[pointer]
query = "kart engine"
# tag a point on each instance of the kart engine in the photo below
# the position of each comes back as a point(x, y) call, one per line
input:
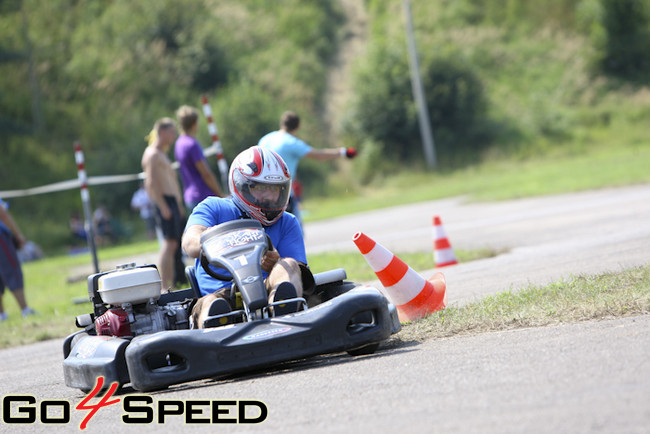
point(130, 320)
point(132, 294)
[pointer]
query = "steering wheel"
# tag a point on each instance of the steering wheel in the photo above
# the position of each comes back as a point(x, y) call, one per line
point(226, 277)
point(206, 266)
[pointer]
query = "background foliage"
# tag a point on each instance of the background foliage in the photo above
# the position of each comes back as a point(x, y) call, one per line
point(103, 72)
point(514, 78)
point(501, 78)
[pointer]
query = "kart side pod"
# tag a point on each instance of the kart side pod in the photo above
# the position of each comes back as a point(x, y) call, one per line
point(357, 319)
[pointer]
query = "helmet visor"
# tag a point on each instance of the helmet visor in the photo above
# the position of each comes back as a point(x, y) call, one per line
point(267, 197)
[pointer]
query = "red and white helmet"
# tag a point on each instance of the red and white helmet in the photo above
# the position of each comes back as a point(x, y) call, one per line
point(260, 184)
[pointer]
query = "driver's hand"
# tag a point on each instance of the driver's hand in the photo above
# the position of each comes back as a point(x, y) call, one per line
point(269, 260)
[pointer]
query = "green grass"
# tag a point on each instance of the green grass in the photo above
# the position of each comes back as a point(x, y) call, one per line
point(581, 298)
point(559, 171)
point(49, 291)
point(358, 270)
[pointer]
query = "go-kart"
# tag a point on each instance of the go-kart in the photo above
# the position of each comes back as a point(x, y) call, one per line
point(143, 338)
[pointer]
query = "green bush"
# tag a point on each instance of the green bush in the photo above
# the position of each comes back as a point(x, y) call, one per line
point(627, 44)
point(243, 113)
point(384, 111)
point(619, 33)
point(372, 163)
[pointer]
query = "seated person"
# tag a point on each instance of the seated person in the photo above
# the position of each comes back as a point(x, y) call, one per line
point(77, 228)
point(260, 185)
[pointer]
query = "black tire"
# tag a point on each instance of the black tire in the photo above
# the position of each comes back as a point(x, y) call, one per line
point(364, 350)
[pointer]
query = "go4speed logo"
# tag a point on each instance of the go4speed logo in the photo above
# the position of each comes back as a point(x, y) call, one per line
point(137, 409)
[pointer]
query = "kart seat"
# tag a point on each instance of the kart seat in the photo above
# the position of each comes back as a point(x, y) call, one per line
point(190, 272)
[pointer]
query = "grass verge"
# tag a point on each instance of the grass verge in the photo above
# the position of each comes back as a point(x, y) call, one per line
point(559, 172)
point(581, 298)
point(358, 270)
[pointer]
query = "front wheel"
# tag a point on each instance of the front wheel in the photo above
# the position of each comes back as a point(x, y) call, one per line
point(364, 350)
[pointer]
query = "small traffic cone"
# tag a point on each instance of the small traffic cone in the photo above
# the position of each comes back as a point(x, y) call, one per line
point(414, 296)
point(443, 254)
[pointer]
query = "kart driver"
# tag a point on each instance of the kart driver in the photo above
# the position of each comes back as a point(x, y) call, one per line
point(260, 185)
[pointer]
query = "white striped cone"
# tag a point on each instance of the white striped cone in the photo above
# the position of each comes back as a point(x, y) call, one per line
point(216, 143)
point(414, 296)
point(443, 254)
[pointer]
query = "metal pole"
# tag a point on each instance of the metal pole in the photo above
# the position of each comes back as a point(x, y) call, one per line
point(216, 143)
point(418, 92)
point(85, 200)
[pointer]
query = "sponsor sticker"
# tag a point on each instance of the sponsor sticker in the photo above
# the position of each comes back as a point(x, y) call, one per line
point(267, 333)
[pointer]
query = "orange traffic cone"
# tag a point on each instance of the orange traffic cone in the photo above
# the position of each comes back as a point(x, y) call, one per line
point(413, 296)
point(443, 254)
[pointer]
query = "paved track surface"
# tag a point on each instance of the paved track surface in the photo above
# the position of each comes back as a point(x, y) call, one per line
point(545, 238)
point(586, 377)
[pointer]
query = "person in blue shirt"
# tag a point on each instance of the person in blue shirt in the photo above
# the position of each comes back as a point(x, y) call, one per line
point(260, 185)
point(292, 149)
point(11, 273)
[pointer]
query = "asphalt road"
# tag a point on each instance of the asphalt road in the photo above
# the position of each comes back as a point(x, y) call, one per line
point(586, 377)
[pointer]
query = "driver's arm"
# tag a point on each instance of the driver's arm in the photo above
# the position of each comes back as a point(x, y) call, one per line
point(191, 241)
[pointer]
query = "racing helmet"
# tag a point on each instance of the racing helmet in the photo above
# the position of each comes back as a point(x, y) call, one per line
point(260, 184)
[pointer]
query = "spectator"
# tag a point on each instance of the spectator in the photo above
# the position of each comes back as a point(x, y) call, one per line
point(164, 191)
point(11, 273)
point(292, 149)
point(102, 226)
point(77, 228)
point(198, 179)
point(141, 202)
point(30, 252)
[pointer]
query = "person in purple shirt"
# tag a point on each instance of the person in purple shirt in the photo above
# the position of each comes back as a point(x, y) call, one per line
point(198, 179)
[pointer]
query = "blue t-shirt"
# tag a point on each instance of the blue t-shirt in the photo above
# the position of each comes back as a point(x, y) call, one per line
point(286, 236)
point(290, 148)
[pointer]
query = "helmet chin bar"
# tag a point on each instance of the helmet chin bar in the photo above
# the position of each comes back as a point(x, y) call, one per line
point(245, 214)
point(272, 215)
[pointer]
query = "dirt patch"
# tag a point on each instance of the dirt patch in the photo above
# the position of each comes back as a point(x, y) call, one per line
point(339, 80)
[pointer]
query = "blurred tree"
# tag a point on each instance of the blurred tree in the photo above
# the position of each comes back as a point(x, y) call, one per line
point(384, 112)
point(105, 71)
point(627, 40)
